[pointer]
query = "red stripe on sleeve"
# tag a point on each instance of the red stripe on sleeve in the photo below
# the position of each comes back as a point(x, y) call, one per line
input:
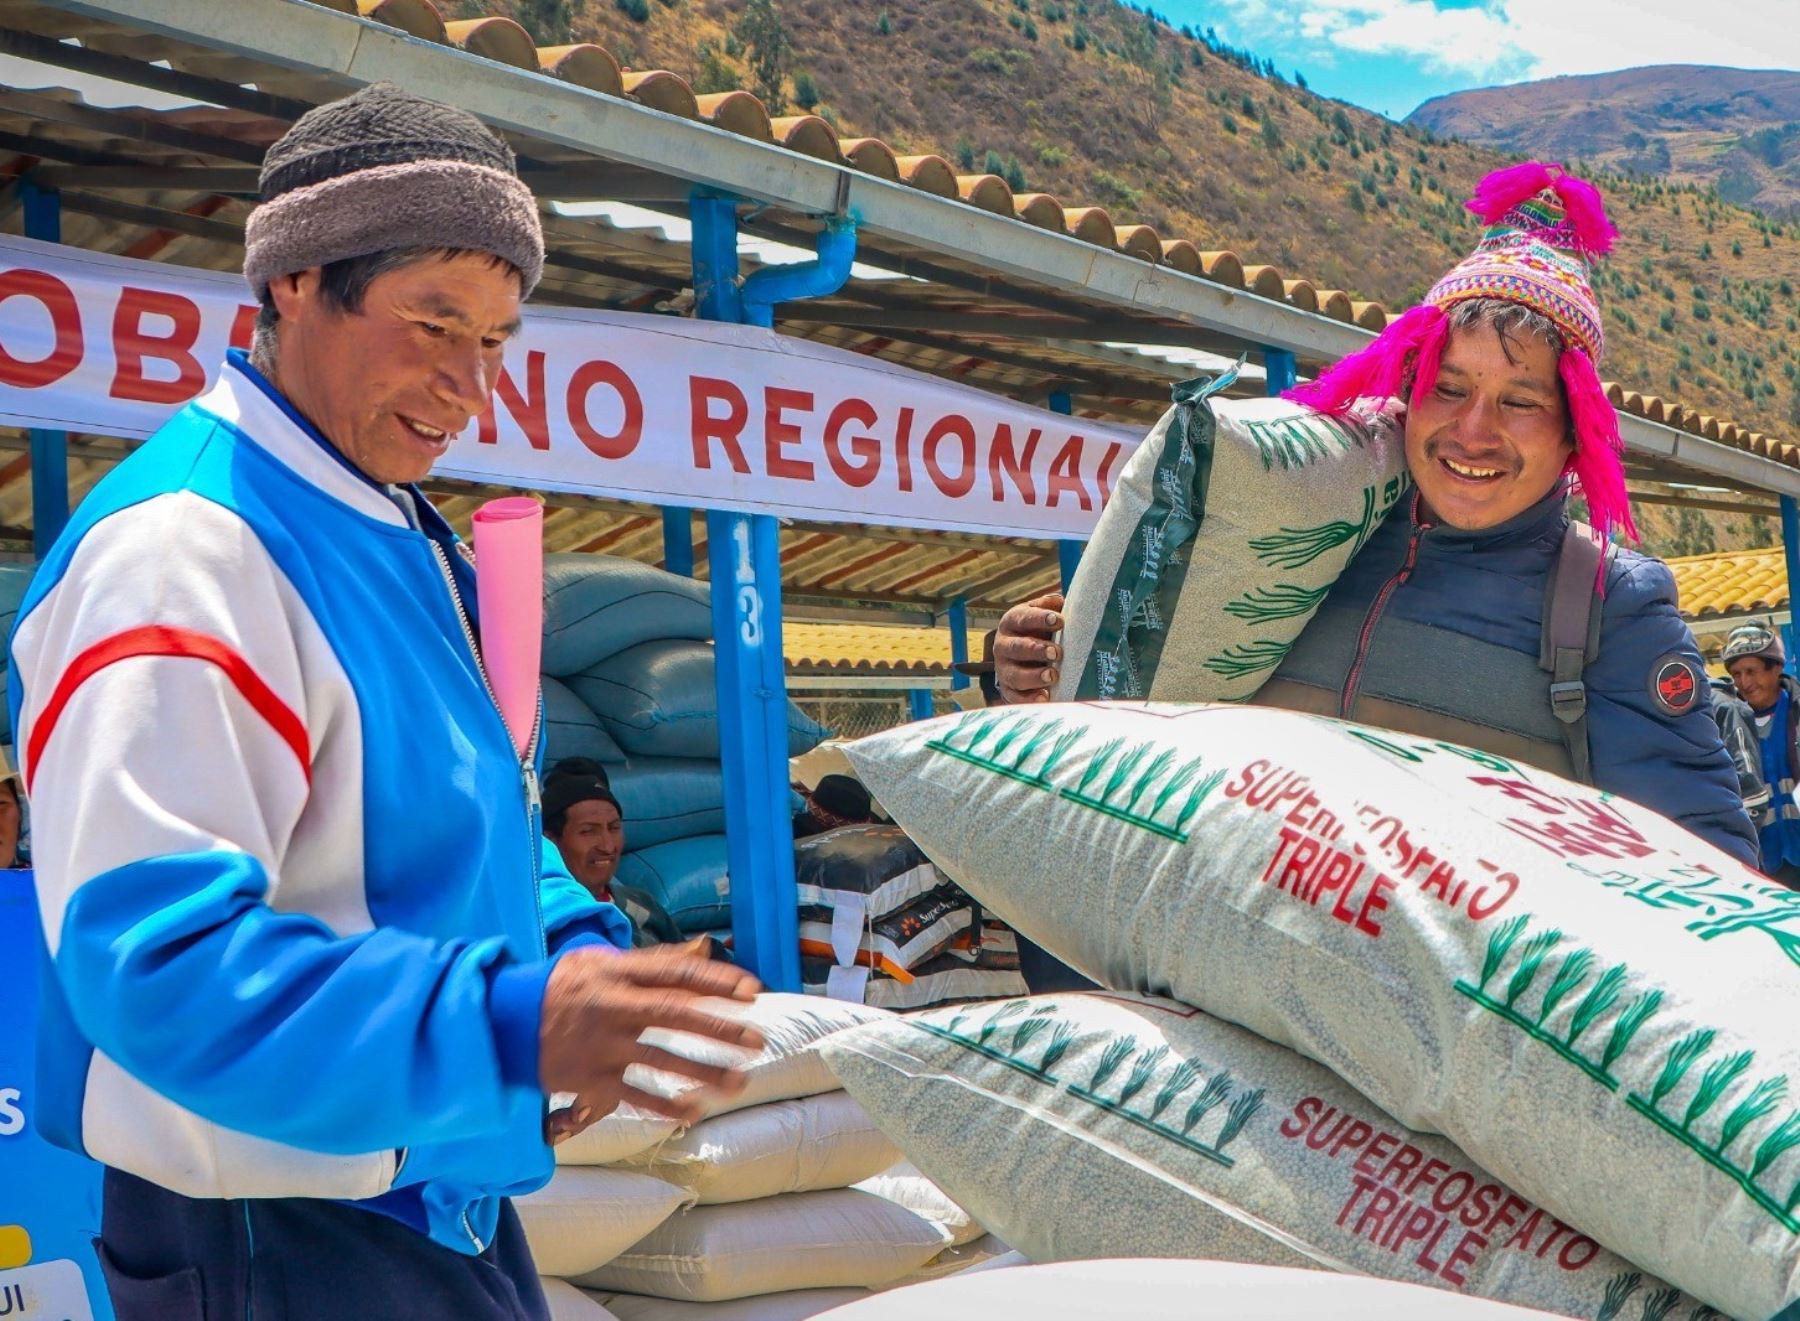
point(160, 640)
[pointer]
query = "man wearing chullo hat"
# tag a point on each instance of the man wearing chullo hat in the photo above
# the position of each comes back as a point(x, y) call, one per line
point(316, 969)
point(1436, 626)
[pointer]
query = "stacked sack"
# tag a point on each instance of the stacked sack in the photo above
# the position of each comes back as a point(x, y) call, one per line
point(782, 1201)
point(880, 925)
point(629, 681)
point(1594, 1006)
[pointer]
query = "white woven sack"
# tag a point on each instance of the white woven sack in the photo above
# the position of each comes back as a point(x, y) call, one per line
point(1164, 1290)
point(783, 1147)
point(788, 1065)
point(836, 1239)
point(567, 1303)
point(1593, 1003)
point(583, 1218)
point(1186, 612)
point(902, 1183)
point(791, 1305)
point(955, 1260)
point(1188, 1137)
point(624, 1133)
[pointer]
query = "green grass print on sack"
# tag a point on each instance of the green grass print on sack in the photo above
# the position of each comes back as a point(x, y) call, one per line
point(1228, 527)
point(1190, 1137)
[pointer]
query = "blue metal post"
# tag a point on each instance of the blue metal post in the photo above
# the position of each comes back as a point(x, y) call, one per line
point(1790, 547)
point(49, 449)
point(1282, 374)
point(744, 555)
point(678, 541)
point(918, 702)
point(1068, 553)
point(957, 617)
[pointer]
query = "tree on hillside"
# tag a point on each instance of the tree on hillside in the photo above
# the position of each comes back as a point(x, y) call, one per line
point(766, 42)
point(550, 22)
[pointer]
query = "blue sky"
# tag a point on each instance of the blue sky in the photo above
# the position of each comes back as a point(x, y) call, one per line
point(1389, 55)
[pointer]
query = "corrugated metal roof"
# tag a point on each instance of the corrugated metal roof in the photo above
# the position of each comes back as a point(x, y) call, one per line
point(1730, 582)
point(862, 649)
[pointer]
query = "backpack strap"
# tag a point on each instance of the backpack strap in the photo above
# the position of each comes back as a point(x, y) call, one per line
point(1571, 637)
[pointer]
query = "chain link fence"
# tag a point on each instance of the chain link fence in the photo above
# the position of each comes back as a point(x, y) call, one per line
point(852, 715)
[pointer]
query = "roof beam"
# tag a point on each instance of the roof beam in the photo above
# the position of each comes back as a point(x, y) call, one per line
point(117, 124)
point(122, 68)
point(153, 217)
point(1000, 326)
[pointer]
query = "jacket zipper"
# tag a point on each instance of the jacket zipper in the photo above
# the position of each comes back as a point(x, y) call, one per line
point(1353, 680)
point(528, 779)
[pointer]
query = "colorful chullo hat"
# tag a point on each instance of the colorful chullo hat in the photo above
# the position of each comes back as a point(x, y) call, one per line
point(1545, 230)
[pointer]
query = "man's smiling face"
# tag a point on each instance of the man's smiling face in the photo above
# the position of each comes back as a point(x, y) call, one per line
point(1492, 438)
point(391, 384)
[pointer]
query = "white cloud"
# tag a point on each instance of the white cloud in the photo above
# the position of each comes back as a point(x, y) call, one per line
point(1514, 40)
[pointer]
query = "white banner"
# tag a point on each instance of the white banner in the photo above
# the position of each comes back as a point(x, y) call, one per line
point(649, 408)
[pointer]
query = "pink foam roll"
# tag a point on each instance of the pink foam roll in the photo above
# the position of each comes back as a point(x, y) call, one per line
point(509, 585)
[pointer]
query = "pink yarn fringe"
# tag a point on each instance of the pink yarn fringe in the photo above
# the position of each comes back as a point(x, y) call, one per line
point(1598, 462)
point(1377, 371)
point(1430, 357)
point(1583, 206)
point(1502, 190)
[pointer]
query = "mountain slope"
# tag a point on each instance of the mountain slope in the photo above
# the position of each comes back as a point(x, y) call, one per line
point(1096, 103)
point(1734, 128)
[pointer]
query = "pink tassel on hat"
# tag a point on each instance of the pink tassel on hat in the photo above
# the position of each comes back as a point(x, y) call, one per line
point(1375, 371)
point(1502, 190)
point(1585, 211)
point(1583, 207)
point(1598, 462)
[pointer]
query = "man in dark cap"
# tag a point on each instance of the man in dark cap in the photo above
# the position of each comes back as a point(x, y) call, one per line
point(585, 822)
point(315, 971)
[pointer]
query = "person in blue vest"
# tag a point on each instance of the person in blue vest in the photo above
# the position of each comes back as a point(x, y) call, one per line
point(1757, 662)
point(1437, 626)
point(316, 972)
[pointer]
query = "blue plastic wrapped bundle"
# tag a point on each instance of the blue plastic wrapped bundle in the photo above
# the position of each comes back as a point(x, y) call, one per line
point(659, 699)
point(571, 729)
point(668, 798)
point(596, 606)
point(688, 878)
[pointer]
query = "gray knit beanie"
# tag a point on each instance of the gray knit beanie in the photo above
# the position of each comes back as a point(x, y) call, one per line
point(384, 169)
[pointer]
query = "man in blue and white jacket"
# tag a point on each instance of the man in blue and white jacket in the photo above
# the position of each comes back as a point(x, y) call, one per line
point(313, 968)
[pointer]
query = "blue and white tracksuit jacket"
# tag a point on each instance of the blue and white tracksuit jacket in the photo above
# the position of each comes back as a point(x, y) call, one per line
point(298, 906)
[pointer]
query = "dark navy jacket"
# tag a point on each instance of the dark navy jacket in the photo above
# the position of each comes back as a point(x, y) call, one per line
point(1450, 621)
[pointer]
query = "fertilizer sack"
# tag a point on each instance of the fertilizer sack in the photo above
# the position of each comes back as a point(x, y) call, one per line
point(842, 1238)
point(571, 730)
point(947, 979)
point(894, 944)
point(1595, 1005)
point(873, 869)
point(795, 1146)
point(665, 798)
point(787, 1067)
point(1192, 1138)
point(596, 606)
point(1229, 524)
point(689, 879)
point(660, 699)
